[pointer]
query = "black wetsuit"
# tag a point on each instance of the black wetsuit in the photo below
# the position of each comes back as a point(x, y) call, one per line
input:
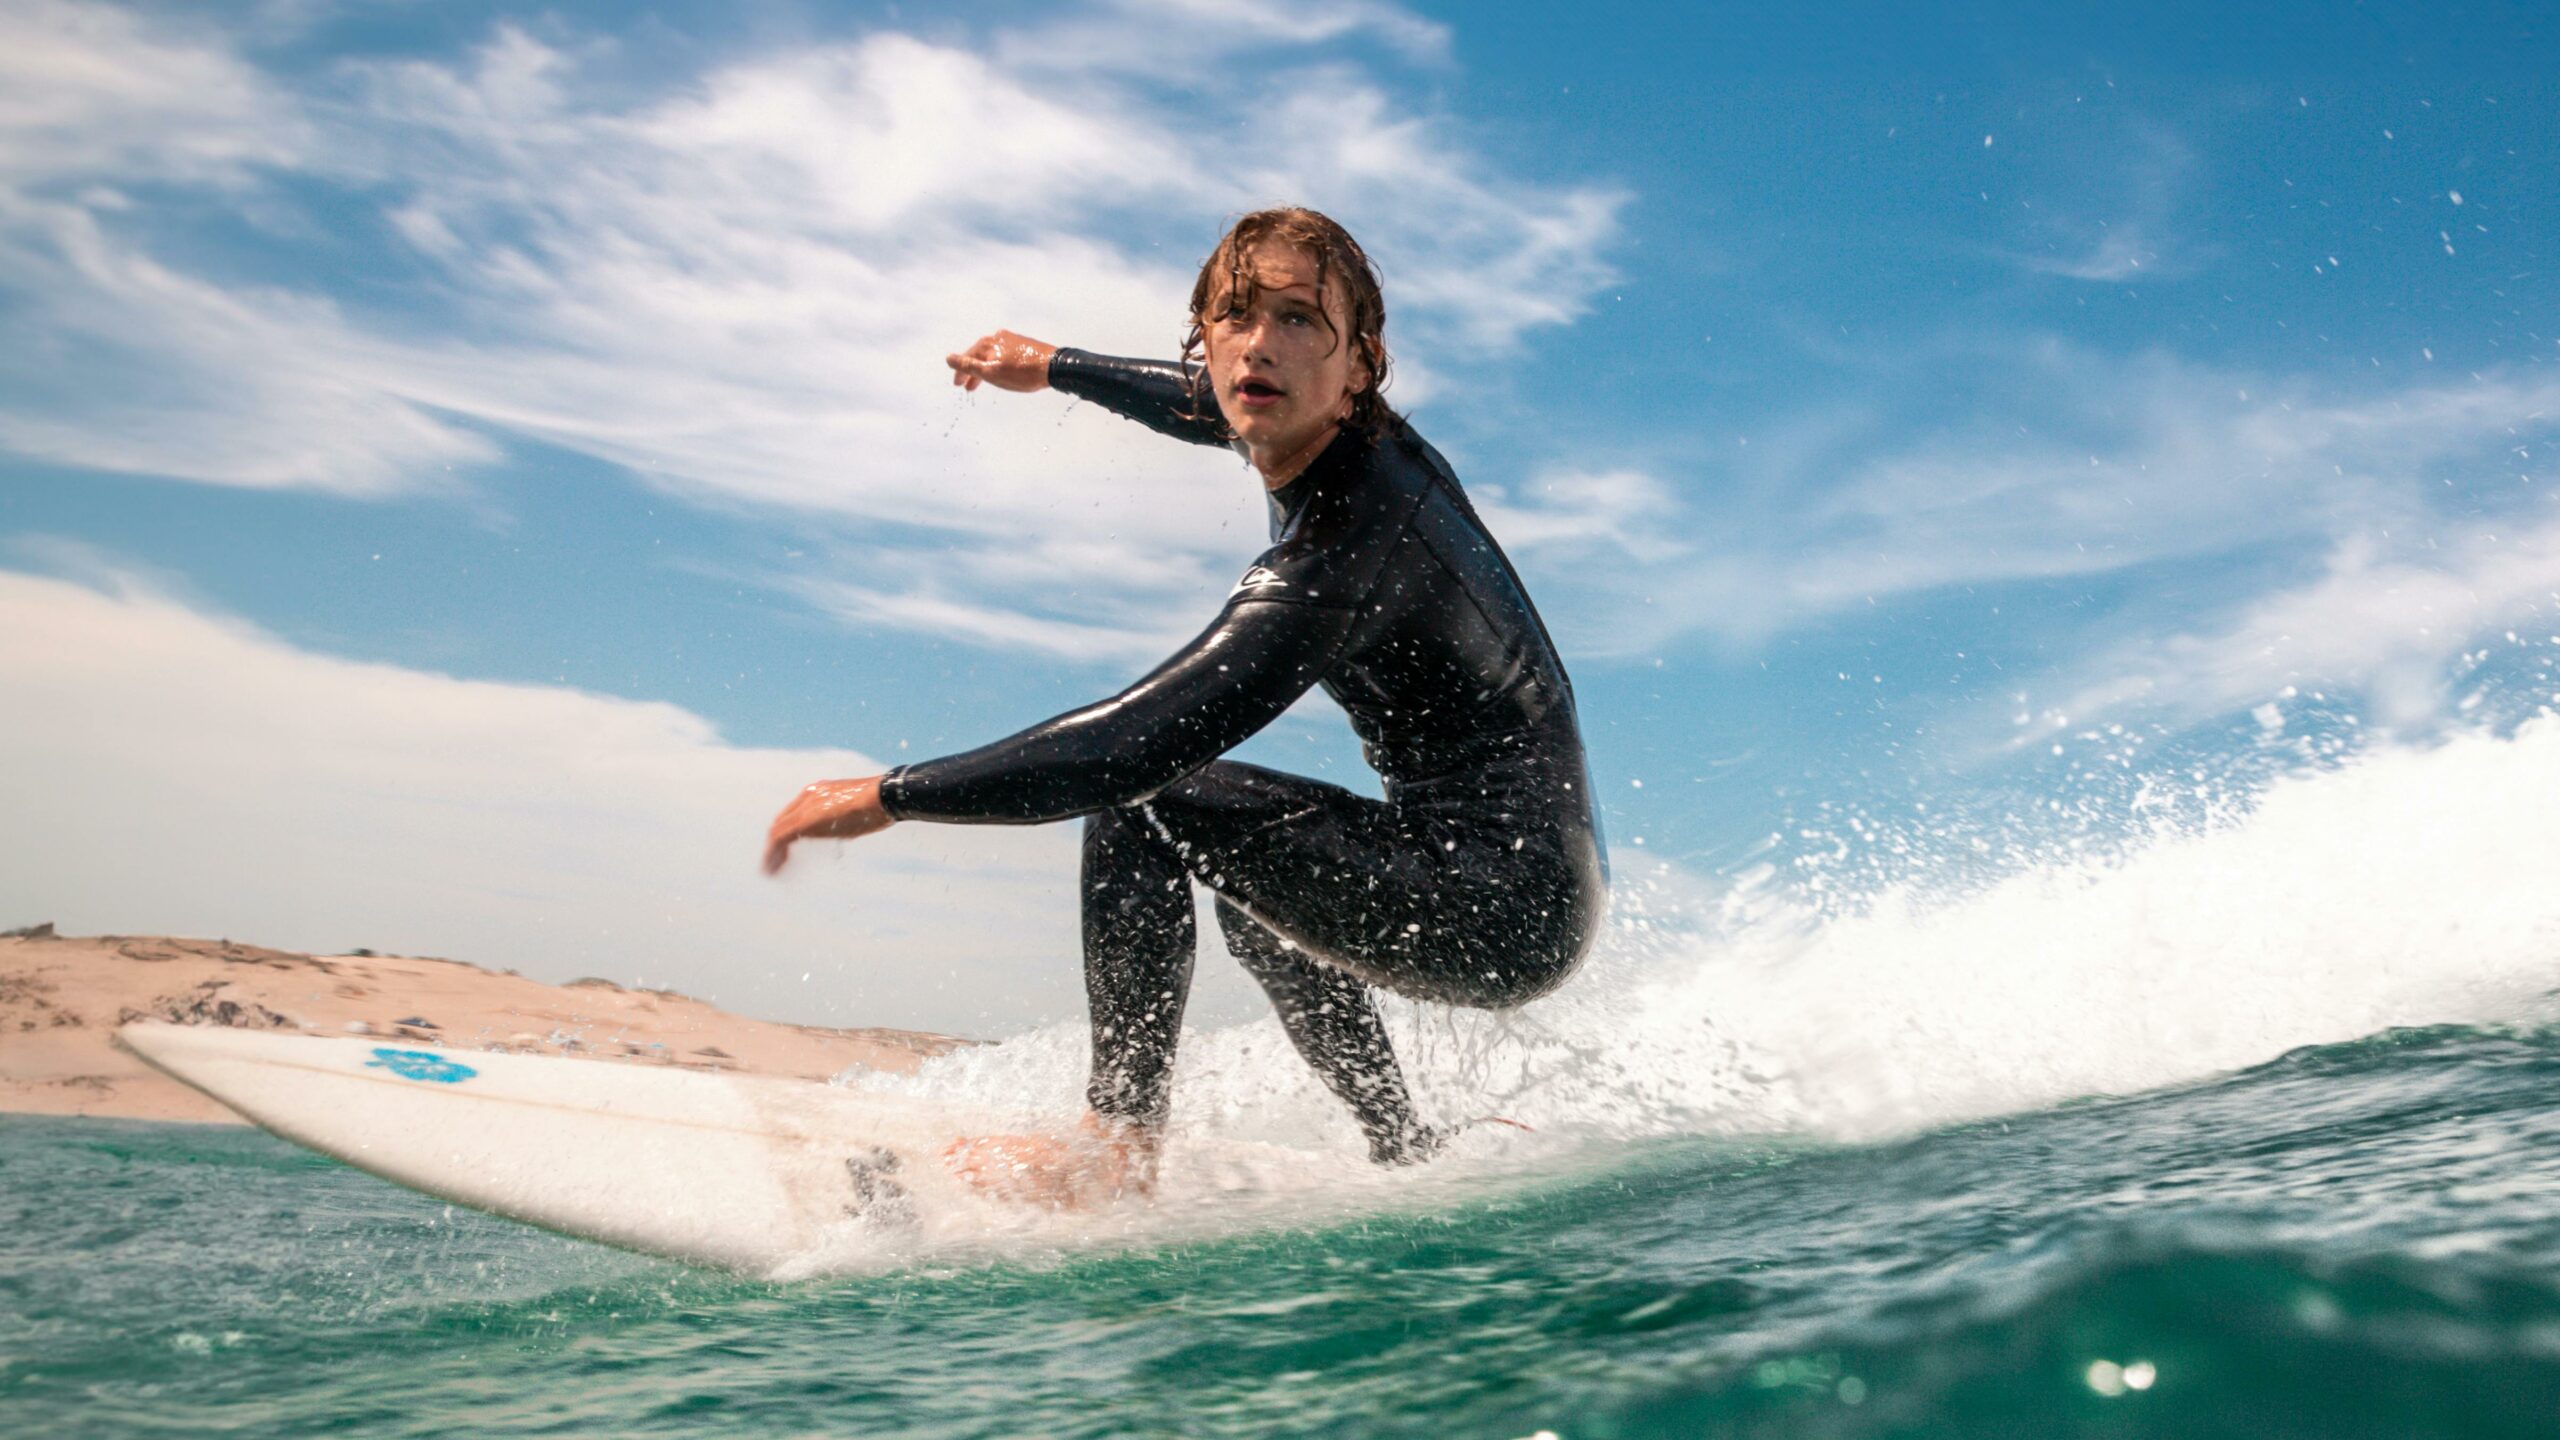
point(1479, 880)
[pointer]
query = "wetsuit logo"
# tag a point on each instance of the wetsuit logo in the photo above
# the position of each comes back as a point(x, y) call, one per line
point(1260, 577)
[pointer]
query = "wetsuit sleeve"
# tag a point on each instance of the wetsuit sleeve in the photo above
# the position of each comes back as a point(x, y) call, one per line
point(1251, 664)
point(1159, 394)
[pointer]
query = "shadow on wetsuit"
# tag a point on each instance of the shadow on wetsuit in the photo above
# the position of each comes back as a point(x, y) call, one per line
point(1479, 880)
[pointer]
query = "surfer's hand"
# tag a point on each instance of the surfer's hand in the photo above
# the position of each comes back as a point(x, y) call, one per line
point(826, 810)
point(1005, 360)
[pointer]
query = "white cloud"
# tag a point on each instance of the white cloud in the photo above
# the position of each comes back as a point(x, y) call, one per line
point(989, 626)
point(166, 769)
point(138, 367)
point(94, 94)
point(864, 138)
point(2132, 463)
point(741, 287)
point(1581, 511)
point(2382, 620)
point(1154, 36)
point(1480, 260)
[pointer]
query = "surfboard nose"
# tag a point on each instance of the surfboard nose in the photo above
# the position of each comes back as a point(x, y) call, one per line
point(200, 1057)
point(161, 1044)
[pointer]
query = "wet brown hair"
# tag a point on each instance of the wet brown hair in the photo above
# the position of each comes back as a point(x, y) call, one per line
point(1337, 256)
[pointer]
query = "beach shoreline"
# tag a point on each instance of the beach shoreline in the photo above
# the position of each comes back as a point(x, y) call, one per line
point(62, 998)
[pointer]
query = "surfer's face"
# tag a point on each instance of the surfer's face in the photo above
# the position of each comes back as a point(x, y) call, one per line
point(1279, 353)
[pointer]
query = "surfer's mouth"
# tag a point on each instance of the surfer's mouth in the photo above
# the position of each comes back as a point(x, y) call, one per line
point(1259, 393)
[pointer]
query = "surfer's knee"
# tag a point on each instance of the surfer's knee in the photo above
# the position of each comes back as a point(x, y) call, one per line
point(1249, 940)
point(1287, 973)
point(1508, 960)
point(1506, 977)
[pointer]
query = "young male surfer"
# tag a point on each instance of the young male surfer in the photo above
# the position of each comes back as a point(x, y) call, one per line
point(1479, 880)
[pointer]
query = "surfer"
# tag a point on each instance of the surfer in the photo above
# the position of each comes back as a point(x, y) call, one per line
point(1479, 880)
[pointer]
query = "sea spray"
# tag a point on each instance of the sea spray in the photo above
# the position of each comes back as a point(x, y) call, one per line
point(2377, 885)
point(2402, 886)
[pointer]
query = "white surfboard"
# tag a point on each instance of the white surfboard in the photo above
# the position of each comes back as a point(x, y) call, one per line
point(747, 1172)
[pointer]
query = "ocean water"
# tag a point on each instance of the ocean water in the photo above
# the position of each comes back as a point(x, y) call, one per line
point(2248, 1124)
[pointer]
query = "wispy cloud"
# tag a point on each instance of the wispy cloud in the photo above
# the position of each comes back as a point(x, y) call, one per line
point(137, 367)
point(2131, 463)
point(2119, 253)
point(92, 94)
point(741, 287)
point(989, 626)
point(2385, 620)
point(2420, 509)
point(1584, 512)
point(2125, 230)
point(1149, 36)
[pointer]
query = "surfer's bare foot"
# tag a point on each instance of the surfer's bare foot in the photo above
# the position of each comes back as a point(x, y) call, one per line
point(1103, 1161)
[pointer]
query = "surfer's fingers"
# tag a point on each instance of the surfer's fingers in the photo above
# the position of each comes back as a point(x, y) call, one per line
point(788, 826)
point(970, 367)
point(777, 840)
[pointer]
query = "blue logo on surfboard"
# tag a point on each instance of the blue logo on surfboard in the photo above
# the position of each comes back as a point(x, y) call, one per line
point(420, 1065)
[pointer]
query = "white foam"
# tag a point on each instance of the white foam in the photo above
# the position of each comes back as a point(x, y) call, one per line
point(2404, 886)
point(2400, 886)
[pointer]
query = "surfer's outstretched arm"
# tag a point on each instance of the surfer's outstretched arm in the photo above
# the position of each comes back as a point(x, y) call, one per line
point(1237, 676)
point(1165, 396)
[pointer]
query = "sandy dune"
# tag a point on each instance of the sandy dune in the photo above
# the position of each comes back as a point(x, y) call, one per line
point(61, 997)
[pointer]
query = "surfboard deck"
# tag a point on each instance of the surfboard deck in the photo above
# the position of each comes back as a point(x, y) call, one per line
point(744, 1172)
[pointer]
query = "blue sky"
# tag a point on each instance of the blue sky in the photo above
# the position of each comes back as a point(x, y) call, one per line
point(406, 406)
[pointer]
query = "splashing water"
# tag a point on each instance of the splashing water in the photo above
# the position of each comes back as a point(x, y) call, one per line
point(2393, 886)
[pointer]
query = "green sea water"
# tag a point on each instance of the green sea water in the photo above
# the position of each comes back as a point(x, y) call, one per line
point(2353, 1240)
